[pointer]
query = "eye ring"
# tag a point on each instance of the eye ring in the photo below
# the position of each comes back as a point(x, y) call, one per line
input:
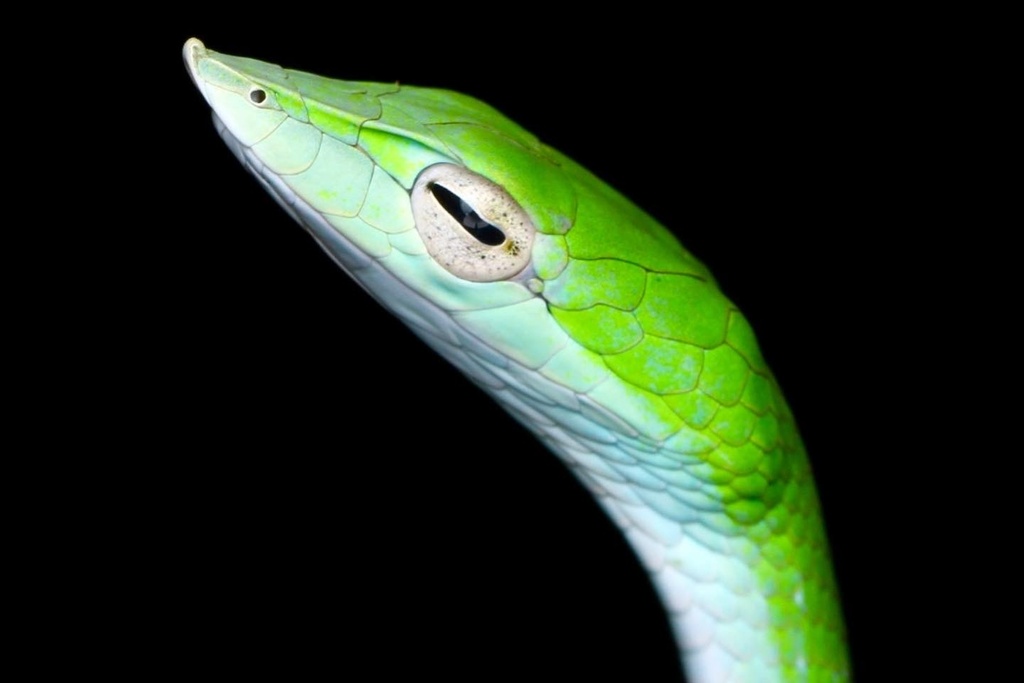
point(470, 225)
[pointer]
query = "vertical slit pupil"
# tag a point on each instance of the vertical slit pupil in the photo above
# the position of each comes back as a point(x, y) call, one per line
point(469, 219)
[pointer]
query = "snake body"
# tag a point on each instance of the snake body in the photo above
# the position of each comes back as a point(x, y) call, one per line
point(586, 320)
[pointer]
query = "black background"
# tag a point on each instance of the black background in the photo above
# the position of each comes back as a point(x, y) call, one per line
point(295, 482)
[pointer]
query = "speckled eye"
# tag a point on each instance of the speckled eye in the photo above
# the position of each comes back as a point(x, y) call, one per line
point(471, 226)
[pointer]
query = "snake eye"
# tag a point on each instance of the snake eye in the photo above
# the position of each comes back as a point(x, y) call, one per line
point(471, 226)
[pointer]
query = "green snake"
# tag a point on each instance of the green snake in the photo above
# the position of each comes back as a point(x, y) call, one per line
point(586, 320)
